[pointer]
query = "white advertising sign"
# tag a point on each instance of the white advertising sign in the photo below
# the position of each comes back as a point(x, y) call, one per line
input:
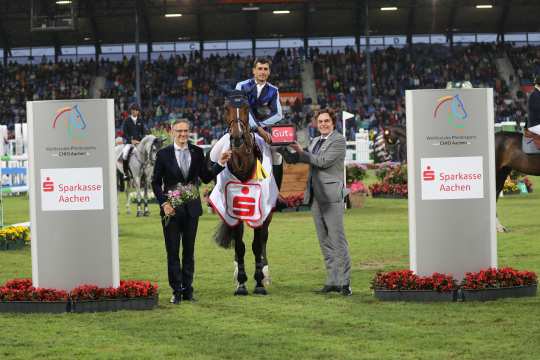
point(72, 189)
point(452, 178)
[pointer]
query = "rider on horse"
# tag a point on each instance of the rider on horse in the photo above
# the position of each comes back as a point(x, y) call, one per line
point(264, 106)
point(533, 123)
point(134, 130)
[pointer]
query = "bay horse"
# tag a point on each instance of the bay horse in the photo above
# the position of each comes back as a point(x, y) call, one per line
point(242, 165)
point(508, 156)
point(141, 166)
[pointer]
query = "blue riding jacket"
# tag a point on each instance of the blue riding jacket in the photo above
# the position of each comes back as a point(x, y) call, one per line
point(269, 98)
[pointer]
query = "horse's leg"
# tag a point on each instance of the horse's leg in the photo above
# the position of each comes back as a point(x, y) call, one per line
point(258, 246)
point(240, 276)
point(128, 189)
point(146, 211)
point(502, 174)
point(139, 200)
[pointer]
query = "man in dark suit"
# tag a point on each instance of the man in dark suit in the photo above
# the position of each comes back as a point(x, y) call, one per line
point(533, 124)
point(134, 131)
point(325, 192)
point(182, 163)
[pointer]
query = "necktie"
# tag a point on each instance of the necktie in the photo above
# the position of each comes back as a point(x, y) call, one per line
point(183, 162)
point(318, 145)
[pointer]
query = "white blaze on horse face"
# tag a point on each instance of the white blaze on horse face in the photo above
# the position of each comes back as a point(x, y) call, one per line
point(238, 121)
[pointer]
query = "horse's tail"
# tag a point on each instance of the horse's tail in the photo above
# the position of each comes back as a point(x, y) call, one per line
point(223, 236)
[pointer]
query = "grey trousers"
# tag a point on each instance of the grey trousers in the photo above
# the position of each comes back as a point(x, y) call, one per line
point(334, 247)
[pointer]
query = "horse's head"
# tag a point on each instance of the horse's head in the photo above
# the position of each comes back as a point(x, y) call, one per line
point(148, 148)
point(237, 119)
point(242, 142)
point(392, 134)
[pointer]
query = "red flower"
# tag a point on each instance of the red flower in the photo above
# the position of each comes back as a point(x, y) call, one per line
point(498, 278)
point(407, 280)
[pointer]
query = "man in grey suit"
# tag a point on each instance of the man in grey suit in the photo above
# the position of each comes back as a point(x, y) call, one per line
point(325, 192)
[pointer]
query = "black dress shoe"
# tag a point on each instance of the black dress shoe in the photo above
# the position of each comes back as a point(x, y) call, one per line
point(189, 297)
point(328, 289)
point(346, 290)
point(176, 298)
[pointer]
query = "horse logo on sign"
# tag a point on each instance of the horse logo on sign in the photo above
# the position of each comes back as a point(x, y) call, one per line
point(74, 120)
point(456, 115)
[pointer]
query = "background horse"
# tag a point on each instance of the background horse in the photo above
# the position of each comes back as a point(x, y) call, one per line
point(508, 156)
point(141, 166)
point(396, 137)
point(242, 165)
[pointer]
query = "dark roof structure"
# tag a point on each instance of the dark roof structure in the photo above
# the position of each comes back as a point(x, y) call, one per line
point(113, 21)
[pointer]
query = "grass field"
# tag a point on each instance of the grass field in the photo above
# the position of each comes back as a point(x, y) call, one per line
point(292, 322)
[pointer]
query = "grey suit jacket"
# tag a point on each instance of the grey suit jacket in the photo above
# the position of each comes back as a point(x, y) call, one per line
point(325, 180)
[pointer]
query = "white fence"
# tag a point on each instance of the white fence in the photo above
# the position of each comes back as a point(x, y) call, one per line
point(359, 150)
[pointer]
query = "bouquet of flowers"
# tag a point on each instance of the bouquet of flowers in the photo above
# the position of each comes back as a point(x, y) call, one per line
point(179, 196)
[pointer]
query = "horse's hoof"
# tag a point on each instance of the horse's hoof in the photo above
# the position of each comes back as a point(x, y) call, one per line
point(267, 280)
point(146, 213)
point(139, 213)
point(241, 290)
point(260, 290)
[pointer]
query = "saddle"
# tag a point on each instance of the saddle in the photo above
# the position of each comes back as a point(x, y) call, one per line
point(531, 142)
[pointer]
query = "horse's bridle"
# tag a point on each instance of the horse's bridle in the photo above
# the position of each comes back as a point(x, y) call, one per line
point(238, 100)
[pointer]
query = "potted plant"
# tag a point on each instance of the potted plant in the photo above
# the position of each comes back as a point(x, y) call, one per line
point(357, 193)
point(405, 285)
point(14, 237)
point(491, 284)
point(130, 295)
point(19, 295)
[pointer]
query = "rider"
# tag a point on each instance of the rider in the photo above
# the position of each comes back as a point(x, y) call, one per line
point(134, 131)
point(533, 123)
point(264, 109)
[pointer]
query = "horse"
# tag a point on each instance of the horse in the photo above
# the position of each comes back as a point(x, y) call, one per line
point(508, 156)
point(242, 165)
point(141, 166)
point(396, 136)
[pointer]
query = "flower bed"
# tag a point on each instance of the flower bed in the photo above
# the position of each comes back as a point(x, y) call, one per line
point(487, 284)
point(20, 296)
point(404, 285)
point(14, 237)
point(491, 284)
point(294, 202)
point(389, 191)
point(517, 183)
point(392, 182)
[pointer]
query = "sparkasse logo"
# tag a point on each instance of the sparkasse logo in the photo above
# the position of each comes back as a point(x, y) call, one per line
point(428, 174)
point(48, 185)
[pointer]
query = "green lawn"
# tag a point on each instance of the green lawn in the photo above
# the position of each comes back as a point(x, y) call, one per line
point(292, 322)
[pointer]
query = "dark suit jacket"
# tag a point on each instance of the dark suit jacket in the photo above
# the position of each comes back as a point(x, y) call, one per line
point(534, 108)
point(133, 131)
point(167, 174)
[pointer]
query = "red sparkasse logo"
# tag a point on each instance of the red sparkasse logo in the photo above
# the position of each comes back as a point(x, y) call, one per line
point(48, 185)
point(428, 174)
point(244, 205)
